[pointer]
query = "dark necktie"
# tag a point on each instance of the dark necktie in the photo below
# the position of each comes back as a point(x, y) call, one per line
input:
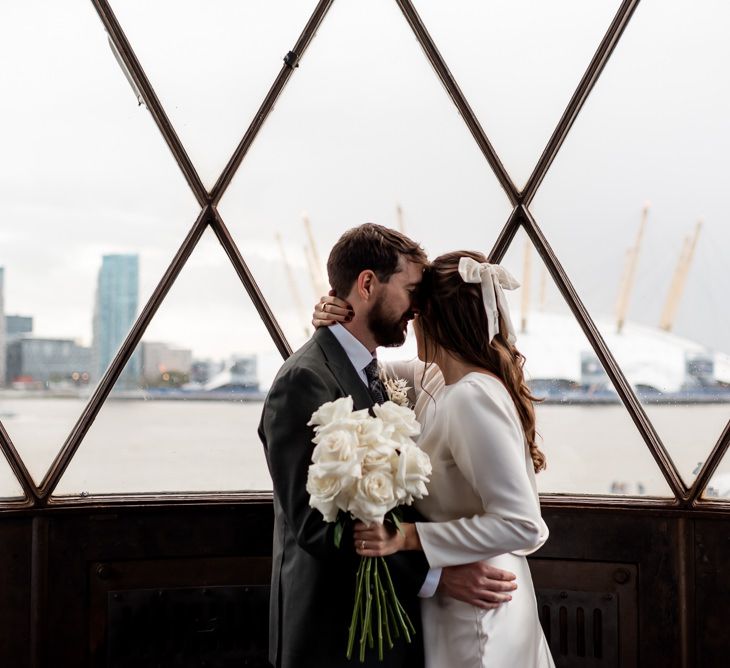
point(375, 385)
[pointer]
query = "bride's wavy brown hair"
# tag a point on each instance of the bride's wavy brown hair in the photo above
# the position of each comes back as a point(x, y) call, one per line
point(452, 317)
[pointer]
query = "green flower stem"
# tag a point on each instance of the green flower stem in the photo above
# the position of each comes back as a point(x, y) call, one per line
point(356, 607)
point(365, 632)
point(399, 610)
point(380, 593)
point(379, 612)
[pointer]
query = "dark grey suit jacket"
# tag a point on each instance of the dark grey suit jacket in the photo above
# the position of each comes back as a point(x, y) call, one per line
point(312, 582)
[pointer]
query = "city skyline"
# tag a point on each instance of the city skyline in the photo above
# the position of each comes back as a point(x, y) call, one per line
point(36, 360)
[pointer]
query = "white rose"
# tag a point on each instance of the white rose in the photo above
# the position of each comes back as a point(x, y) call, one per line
point(371, 432)
point(332, 410)
point(380, 456)
point(400, 419)
point(338, 445)
point(374, 496)
point(414, 469)
point(343, 424)
point(323, 488)
point(330, 486)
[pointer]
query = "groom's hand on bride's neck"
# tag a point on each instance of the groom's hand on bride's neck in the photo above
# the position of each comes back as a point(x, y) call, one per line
point(478, 584)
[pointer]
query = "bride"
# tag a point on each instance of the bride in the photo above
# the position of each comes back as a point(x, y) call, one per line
point(478, 427)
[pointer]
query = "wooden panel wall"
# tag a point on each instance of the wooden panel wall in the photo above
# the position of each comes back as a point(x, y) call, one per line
point(73, 557)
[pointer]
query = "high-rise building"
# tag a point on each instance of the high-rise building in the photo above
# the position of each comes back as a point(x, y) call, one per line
point(2, 326)
point(115, 309)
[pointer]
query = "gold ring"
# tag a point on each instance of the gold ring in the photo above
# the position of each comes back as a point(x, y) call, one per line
point(324, 307)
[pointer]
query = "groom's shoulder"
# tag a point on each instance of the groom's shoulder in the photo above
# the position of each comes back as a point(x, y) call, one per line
point(309, 357)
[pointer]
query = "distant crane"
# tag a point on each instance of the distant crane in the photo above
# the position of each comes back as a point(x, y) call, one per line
point(293, 286)
point(315, 262)
point(399, 217)
point(316, 284)
point(671, 304)
point(627, 281)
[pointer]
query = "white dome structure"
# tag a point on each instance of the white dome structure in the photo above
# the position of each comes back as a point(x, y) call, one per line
point(652, 360)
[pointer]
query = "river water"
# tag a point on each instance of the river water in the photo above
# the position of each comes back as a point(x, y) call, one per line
point(200, 446)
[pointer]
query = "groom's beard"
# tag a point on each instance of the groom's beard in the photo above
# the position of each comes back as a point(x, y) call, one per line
point(388, 330)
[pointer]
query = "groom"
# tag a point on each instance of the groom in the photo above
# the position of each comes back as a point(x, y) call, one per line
point(378, 271)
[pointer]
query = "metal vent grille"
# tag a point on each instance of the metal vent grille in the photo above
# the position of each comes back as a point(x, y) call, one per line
point(581, 627)
point(188, 627)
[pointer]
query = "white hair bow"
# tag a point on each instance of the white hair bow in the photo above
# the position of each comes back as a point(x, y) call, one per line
point(494, 280)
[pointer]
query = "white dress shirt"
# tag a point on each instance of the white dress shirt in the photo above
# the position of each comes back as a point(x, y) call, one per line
point(360, 357)
point(357, 353)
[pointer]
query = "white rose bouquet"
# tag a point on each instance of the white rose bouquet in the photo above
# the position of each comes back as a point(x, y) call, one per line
point(364, 467)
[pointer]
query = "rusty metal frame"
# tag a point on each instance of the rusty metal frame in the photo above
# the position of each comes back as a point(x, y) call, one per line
point(622, 386)
point(452, 88)
point(17, 465)
point(124, 49)
point(708, 468)
point(291, 62)
point(40, 496)
point(87, 417)
point(595, 68)
point(208, 217)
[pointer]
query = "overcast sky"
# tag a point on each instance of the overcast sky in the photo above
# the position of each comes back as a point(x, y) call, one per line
point(363, 126)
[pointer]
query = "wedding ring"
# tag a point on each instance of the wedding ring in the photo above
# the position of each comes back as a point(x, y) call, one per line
point(362, 545)
point(324, 307)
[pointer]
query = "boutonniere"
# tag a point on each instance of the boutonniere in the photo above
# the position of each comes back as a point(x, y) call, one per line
point(396, 388)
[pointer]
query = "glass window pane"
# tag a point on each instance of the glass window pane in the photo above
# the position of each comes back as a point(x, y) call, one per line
point(211, 64)
point(363, 128)
point(85, 173)
point(654, 137)
point(518, 63)
point(719, 485)
point(591, 444)
point(9, 486)
point(185, 418)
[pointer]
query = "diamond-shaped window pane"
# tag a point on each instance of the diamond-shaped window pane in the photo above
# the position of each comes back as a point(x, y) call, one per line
point(85, 173)
point(518, 64)
point(591, 444)
point(719, 485)
point(9, 486)
point(211, 64)
point(639, 144)
point(183, 415)
point(363, 128)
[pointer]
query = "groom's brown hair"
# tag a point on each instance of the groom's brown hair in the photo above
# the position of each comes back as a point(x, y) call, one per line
point(373, 247)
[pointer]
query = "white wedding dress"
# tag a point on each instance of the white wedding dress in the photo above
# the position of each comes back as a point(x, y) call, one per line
point(482, 505)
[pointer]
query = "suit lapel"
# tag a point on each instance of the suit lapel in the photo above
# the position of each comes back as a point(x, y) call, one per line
point(345, 374)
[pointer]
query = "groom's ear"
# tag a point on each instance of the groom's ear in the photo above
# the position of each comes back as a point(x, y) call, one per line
point(365, 284)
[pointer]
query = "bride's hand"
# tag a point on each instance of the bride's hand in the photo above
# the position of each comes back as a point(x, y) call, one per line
point(331, 309)
point(378, 540)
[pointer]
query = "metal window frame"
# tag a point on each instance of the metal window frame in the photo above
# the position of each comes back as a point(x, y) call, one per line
point(40, 496)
